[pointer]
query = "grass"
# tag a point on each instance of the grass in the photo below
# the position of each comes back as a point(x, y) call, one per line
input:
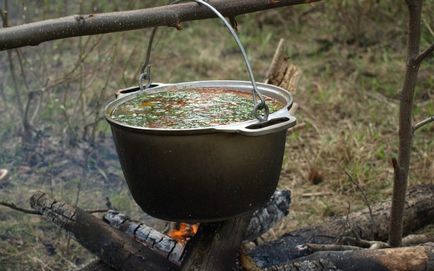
point(348, 110)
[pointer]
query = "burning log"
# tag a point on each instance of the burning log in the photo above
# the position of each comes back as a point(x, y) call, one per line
point(261, 221)
point(155, 240)
point(110, 245)
point(418, 213)
point(216, 245)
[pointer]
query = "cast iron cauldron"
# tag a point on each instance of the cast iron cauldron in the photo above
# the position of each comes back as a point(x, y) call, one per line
point(205, 174)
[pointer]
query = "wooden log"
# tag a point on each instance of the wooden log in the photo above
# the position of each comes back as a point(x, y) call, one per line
point(281, 72)
point(419, 258)
point(112, 246)
point(155, 240)
point(267, 217)
point(216, 245)
point(261, 221)
point(419, 212)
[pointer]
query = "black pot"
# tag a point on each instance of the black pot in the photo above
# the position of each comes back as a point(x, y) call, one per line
point(205, 174)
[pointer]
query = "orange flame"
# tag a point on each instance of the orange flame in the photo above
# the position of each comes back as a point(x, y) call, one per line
point(184, 232)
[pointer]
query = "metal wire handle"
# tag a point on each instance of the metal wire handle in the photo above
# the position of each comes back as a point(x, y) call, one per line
point(145, 71)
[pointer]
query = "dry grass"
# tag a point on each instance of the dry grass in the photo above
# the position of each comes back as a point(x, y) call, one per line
point(348, 118)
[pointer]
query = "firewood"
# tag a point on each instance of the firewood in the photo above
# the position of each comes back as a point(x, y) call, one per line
point(281, 72)
point(419, 258)
point(155, 240)
point(262, 220)
point(418, 213)
point(265, 218)
point(112, 246)
point(216, 245)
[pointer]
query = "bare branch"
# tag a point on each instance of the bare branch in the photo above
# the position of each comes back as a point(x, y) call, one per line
point(423, 123)
point(427, 53)
point(14, 207)
point(92, 24)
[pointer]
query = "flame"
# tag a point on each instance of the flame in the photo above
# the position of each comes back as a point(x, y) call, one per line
point(184, 232)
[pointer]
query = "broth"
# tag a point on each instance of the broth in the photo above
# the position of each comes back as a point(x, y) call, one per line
point(190, 108)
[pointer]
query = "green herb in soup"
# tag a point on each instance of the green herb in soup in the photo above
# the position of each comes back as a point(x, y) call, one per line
point(192, 108)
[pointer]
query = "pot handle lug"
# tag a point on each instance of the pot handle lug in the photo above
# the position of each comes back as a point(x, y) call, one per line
point(269, 126)
point(127, 91)
point(280, 122)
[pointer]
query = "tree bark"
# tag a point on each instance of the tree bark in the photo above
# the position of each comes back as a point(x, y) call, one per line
point(110, 245)
point(418, 212)
point(92, 24)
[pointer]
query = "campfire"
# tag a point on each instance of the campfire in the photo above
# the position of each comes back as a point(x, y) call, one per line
point(183, 232)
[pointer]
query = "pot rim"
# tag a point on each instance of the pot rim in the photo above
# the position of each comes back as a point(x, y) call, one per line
point(277, 121)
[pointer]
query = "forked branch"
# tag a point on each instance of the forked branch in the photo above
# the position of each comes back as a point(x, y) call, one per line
point(425, 54)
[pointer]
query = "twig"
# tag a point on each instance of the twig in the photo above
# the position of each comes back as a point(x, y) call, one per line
point(3, 173)
point(330, 247)
point(423, 123)
point(97, 211)
point(424, 54)
point(32, 212)
point(13, 206)
point(316, 194)
point(347, 240)
point(365, 199)
point(430, 30)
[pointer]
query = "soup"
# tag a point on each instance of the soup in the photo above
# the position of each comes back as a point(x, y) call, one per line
point(190, 108)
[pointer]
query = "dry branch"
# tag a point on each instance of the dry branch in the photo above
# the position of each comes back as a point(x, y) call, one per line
point(110, 245)
point(92, 24)
point(418, 212)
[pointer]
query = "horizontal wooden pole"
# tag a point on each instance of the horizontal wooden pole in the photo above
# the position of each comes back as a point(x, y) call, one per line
point(93, 24)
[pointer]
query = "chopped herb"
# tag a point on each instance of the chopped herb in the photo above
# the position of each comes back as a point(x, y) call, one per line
point(191, 108)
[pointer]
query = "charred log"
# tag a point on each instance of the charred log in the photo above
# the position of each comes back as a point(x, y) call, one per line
point(112, 246)
point(216, 245)
point(419, 212)
point(155, 240)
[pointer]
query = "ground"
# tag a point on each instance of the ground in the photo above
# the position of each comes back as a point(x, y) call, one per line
point(351, 53)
